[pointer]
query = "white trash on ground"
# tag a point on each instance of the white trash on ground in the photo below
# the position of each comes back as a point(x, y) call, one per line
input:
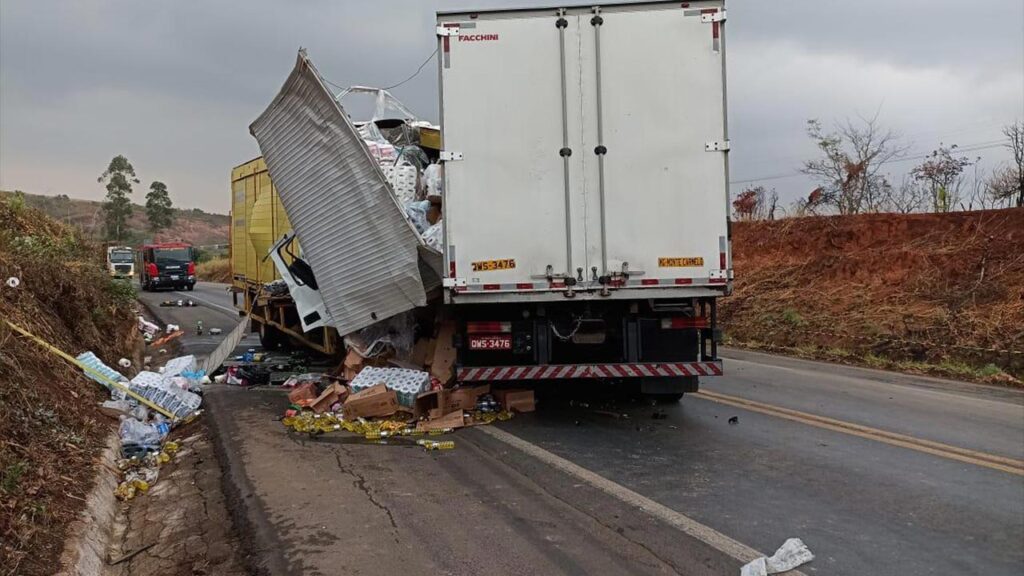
point(147, 327)
point(791, 554)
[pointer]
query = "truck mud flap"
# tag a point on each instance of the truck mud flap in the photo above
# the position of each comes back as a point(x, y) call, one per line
point(352, 230)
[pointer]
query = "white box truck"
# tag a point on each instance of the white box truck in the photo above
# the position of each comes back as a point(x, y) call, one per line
point(586, 227)
point(586, 178)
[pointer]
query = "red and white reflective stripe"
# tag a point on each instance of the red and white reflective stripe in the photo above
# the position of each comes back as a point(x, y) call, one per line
point(573, 371)
point(517, 287)
point(560, 285)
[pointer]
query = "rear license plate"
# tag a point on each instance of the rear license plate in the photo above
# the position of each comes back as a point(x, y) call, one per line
point(174, 277)
point(490, 343)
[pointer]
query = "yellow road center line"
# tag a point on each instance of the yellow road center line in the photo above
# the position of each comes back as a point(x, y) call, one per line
point(993, 461)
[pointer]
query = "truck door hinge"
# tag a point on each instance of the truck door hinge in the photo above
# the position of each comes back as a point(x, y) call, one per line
point(450, 156)
point(448, 30)
point(710, 17)
point(716, 146)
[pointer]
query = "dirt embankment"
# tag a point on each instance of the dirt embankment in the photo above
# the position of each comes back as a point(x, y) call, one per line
point(50, 428)
point(940, 293)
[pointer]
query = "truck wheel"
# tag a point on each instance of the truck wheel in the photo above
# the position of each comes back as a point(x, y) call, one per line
point(668, 390)
point(190, 287)
point(270, 338)
point(666, 398)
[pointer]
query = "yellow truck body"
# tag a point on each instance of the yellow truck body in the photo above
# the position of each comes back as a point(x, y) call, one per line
point(258, 220)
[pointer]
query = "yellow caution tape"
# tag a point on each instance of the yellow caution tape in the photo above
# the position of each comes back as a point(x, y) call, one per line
point(99, 376)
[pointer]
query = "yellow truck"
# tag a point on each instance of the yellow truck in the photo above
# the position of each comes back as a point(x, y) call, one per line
point(258, 221)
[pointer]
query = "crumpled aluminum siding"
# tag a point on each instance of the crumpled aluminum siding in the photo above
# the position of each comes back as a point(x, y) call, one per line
point(352, 230)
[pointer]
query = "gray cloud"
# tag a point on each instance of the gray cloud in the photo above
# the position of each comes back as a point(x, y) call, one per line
point(174, 85)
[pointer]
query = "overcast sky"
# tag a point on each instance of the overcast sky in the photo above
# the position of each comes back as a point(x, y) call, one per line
point(173, 85)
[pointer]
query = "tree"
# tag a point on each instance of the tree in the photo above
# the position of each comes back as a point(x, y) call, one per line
point(119, 177)
point(942, 175)
point(158, 207)
point(849, 169)
point(756, 204)
point(908, 197)
point(1007, 183)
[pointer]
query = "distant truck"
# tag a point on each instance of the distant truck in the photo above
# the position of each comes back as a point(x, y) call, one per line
point(167, 265)
point(585, 206)
point(120, 261)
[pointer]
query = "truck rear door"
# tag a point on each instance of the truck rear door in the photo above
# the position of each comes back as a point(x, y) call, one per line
point(511, 207)
point(655, 83)
point(585, 143)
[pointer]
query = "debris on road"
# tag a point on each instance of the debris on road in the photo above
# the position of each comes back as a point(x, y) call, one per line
point(734, 420)
point(165, 339)
point(790, 555)
point(178, 303)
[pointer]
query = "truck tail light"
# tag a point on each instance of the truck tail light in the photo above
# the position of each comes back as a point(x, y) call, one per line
point(682, 323)
point(151, 270)
point(488, 327)
point(191, 268)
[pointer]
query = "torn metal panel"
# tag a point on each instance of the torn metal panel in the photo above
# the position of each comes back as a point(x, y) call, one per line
point(352, 230)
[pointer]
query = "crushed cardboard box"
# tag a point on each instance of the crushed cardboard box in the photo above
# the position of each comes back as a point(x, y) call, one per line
point(452, 420)
point(431, 404)
point(333, 394)
point(352, 365)
point(303, 394)
point(434, 404)
point(444, 354)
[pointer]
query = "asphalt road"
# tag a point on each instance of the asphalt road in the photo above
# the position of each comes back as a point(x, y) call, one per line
point(213, 307)
point(879, 473)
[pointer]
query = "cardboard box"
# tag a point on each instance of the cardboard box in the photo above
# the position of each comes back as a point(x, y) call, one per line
point(373, 401)
point(465, 398)
point(303, 393)
point(352, 364)
point(516, 400)
point(423, 352)
point(451, 420)
point(331, 395)
point(433, 404)
point(444, 354)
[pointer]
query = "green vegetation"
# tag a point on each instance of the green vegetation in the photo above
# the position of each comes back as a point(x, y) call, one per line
point(11, 476)
point(158, 207)
point(122, 292)
point(792, 317)
point(118, 177)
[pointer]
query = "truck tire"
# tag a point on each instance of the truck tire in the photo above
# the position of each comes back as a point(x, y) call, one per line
point(667, 398)
point(668, 390)
point(270, 337)
point(190, 287)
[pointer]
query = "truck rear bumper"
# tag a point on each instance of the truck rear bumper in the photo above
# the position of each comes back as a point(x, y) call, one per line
point(608, 371)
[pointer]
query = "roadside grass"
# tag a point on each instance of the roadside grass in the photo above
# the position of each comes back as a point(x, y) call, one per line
point(988, 373)
point(216, 270)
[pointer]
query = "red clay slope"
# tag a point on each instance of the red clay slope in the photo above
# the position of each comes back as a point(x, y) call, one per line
point(943, 289)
